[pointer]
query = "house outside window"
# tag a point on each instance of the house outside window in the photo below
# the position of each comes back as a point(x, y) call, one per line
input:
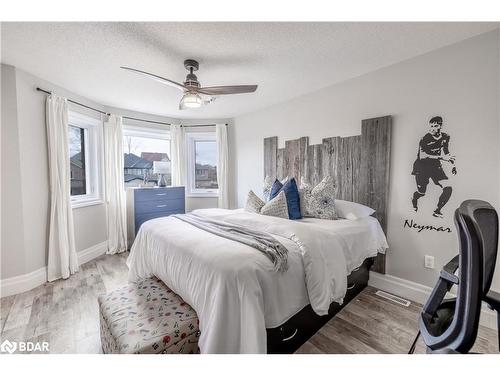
point(85, 155)
point(77, 144)
point(202, 164)
point(141, 148)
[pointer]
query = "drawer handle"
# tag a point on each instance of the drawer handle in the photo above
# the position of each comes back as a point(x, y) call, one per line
point(161, 193)
point(292, 336)
point(161, 205)
point(351, 287)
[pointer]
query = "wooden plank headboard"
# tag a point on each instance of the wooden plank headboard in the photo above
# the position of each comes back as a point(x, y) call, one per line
point(360, 165)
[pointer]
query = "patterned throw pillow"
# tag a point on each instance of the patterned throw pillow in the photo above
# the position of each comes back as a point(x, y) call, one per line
point(319, 202)
point(276, 206)
point(268, 184)
point(254, 203)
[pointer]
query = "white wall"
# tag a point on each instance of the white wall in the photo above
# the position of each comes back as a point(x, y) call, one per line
point(25, 182)
point(459, 82)
point(25, 179)
point(12, 234)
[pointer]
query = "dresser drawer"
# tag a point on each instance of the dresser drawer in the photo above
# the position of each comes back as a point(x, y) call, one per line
point(154, 194)
point(144, 204)
point(159, 205)
point(141, 219)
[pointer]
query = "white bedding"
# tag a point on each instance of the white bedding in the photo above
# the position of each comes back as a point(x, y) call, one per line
point(232, 286)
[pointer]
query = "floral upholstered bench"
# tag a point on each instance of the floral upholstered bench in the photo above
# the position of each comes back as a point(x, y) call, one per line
point(147, 317)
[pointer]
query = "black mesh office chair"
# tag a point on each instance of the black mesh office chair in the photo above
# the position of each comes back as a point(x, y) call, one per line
point(450, 325)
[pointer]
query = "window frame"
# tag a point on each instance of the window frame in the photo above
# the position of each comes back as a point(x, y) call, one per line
point(191, 139)
point(148, 132)
point(93, 159)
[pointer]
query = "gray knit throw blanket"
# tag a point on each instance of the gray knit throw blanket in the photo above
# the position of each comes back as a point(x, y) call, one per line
point(263, 242)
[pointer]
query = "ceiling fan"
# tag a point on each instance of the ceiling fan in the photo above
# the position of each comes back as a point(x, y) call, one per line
point(192, 89)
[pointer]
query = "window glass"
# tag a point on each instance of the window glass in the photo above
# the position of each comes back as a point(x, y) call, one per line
point(140, 155)
point(77, 160)
point(85, 156)
point(202, 164)
point(205, 165)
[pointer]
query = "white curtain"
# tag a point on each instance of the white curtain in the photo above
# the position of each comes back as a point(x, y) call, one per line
point(178, 155)
point(115, 192)
point(62, 259)
point(222, 164)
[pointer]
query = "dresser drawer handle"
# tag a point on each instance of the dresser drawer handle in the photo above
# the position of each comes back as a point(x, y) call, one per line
point(351, 287)
point(161, 205)
point(161, 193)
point(292, 336)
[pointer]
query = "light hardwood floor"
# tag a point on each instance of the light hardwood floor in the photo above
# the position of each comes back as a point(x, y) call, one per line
point(65, 313)
point(370, 324)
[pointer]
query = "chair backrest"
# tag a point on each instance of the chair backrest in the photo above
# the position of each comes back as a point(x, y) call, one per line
point(477, 226)
point(486, 219)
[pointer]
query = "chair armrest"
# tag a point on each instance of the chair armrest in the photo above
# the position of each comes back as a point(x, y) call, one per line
point(451, 277)
point(446, 280)
point(448, 271)
point(493, 300)
point(452, 266)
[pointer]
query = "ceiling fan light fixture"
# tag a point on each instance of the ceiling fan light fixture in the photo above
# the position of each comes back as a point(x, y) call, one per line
point(191, 100)
point(192, 89)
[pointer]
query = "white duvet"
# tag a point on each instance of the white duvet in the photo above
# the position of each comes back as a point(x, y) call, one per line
point(232, 286)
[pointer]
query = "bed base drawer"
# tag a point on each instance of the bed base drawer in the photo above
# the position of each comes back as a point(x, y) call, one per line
point(290, 336)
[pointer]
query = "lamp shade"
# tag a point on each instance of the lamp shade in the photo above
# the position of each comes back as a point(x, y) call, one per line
point(161, 167)
point(191, 100)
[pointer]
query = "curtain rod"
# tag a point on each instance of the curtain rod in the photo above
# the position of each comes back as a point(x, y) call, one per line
point(74, 102)
point(125, 117)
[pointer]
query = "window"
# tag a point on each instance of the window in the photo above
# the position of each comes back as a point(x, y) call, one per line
point(77, 161)
point(145, 152)
point(84, 137)
point(202, 164)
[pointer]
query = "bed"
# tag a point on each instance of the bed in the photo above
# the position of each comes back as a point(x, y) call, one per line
point(233, 287)
point(244, 306)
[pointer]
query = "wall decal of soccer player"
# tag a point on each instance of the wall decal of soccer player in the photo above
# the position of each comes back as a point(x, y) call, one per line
point(433, 152)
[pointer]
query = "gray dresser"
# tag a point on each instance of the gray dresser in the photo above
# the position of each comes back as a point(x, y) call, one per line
point(144, 204)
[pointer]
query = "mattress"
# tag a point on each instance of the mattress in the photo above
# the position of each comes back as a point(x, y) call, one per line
point(233, 288)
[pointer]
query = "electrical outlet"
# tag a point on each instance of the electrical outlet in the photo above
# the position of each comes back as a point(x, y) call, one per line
point(429, 261)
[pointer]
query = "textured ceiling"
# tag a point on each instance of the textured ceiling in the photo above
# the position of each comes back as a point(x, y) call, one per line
point(285, 59)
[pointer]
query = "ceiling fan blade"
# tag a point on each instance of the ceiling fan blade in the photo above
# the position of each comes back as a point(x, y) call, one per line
point(227, 90)
point(165, 81)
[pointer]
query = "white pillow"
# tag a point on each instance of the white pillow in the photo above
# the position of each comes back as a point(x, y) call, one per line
point(352, 211)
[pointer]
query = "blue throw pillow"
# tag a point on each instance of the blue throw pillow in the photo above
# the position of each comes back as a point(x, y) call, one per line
point(275, 189)
point(292, 197)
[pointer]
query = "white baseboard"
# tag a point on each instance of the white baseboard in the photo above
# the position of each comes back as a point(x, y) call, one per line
point(28, 281)
point(92, 252)
point(419, 293)
point(400, 287)
point(23, 283)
